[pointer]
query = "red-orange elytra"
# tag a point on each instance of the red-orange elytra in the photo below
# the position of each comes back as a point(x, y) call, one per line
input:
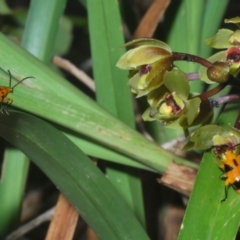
point(230, 165)
point(4, 91)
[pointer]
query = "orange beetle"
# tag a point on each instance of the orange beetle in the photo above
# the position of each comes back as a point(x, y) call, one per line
point(4, 91)
point(230, 165)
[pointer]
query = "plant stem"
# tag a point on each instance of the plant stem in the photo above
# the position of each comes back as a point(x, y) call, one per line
point(191, 58)
point(212, 92)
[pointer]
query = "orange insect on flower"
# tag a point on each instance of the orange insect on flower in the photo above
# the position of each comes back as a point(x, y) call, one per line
point(230, 165)
point(4, 91)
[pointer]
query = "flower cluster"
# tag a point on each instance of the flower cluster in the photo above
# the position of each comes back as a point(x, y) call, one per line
point(153, 73)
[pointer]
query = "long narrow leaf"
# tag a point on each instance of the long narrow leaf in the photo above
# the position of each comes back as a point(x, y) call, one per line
point(39, 36)
point(111, 82)
point(51, 97)
point(74, 174)
point(12, 185)
point(112, 92)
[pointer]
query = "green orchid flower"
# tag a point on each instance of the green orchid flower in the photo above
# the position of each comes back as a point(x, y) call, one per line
point(148, 60)
point(173, 105)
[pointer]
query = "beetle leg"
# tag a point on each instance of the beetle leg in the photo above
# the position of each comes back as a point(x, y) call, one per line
point(6, 103)
point(226, 194)
point(223, 176)
point(227, 183)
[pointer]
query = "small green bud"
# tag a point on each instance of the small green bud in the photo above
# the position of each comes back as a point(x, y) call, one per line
point(218, 72)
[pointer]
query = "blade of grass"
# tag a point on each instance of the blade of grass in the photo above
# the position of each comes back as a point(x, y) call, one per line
point(194, 15)
point(82, 183)
point(39, 36)
point(177, 32)
point(12, 185)
point(185, 31)
point(112, 92)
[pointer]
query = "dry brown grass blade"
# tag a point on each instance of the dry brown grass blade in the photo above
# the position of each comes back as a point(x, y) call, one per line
point(64, 221)
point(71, 68)
point(149, 22)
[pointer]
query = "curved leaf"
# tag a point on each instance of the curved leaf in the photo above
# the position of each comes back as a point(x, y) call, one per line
point(74, 174)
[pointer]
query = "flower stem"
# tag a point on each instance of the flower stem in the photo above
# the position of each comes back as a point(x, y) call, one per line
point(191, 58)
point(211, 92)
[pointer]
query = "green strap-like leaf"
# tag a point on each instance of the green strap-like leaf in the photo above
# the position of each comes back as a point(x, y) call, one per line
point(53, 98)
point(112, 91)
point(74, 174)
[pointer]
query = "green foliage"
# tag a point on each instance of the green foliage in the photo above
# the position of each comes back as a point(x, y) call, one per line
point(172, 104)
point(112, 94)
point(74, 174)
point(96, 132)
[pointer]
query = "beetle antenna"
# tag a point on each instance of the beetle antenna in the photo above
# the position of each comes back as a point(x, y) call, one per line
point(20, 81)
point(10, 80)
